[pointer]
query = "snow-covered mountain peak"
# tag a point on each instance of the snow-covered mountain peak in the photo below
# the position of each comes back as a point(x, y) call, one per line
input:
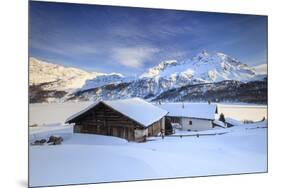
point(201, 56)
point(154, 71)
point(106, 79)
point(215, 58)
point(203, 67)
point(114, 74)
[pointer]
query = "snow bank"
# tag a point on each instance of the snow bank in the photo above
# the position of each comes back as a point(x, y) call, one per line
point(233, 122)
point(45, 131)
point(92, 139)
point(219, 123)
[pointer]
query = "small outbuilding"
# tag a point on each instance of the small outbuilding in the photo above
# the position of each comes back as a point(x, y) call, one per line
point(191, 116)
point(133, 119)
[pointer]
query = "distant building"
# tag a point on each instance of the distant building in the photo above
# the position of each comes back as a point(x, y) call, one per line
point(132, 119)
point(191, 116)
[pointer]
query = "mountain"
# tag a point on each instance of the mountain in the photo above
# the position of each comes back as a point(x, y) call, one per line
point(57, 77)
point(99, 81)
point(157, 83)
point(224, 91)
point(202, 71)
point(204, 68)
point(50, 82)
point(261, 69)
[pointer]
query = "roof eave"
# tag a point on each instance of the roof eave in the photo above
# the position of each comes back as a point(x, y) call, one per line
point(193, 117)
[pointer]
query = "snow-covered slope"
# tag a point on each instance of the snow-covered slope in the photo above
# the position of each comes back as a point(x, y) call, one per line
point(261, 69)
point(102, 80)
point(58, 77)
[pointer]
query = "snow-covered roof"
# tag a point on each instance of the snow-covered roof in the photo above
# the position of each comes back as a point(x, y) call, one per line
point(136, 109)
point(191, 110)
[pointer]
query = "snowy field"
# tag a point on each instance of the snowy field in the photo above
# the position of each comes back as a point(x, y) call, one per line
point(85, 158)
point(53, 113)
point(243, 111)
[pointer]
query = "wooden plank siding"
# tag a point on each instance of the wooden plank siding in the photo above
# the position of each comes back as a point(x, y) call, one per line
point(154, 129)
point(104, 120)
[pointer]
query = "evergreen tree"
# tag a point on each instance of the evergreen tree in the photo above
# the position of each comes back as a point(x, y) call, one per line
point(222, 117)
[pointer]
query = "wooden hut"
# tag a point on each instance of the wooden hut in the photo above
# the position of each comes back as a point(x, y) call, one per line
point(132, 119)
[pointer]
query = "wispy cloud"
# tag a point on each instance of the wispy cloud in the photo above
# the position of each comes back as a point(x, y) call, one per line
point(65, 49)
point(133, 57)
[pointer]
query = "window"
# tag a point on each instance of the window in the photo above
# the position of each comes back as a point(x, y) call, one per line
point(190, 122)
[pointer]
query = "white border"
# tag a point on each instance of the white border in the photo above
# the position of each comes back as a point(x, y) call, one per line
point(13, 95)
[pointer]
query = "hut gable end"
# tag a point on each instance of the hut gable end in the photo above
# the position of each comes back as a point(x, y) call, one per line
point(103, 115)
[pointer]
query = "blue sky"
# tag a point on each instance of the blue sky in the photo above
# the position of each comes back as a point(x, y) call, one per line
point(130, 40)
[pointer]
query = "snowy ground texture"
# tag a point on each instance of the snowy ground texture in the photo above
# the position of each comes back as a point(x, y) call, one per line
point(85, 158)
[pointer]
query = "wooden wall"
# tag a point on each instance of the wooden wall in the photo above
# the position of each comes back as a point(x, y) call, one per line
point(155, 128)
point(106, 121)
